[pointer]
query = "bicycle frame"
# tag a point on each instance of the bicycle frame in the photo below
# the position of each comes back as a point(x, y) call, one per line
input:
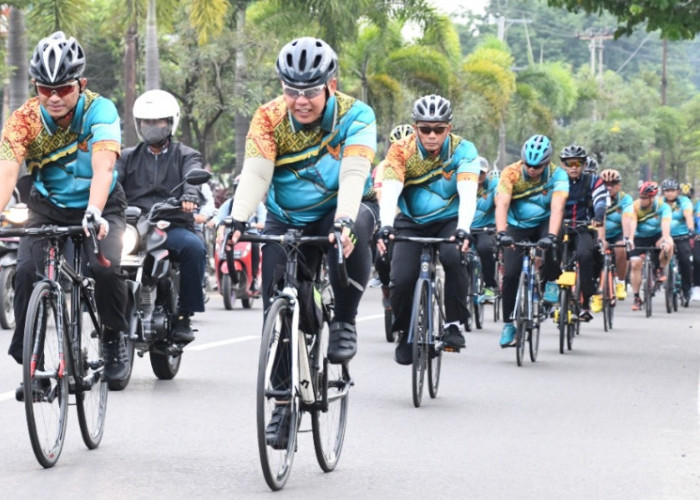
point(531, 276)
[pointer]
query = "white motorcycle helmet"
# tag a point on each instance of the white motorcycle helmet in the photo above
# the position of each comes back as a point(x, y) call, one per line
point(156, 105)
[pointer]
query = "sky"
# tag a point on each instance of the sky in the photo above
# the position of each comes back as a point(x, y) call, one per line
point(449, 6)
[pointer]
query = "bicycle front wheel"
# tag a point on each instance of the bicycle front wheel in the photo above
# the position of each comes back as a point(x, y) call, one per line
point(669, 288)
point(278, 408)
point(91, 388)
point(563, 316)
point(477, 292)
point(419, 334)
point(521, 321)
point(648, 285)
point(44, 374)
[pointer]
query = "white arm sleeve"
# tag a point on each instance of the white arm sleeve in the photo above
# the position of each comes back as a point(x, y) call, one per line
point(467, 203)
point(391, 190)
point(255, 179)
point(354, 171)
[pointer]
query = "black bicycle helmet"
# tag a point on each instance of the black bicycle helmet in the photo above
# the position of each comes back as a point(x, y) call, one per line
point(670, 185)
point(573, 151)
point(432, 108)
point(306, 62)
point(57, 59)
point(537, 151)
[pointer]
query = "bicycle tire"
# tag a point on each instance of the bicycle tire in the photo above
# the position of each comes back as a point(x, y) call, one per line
point(274, 373)
point(521, 322)
point(434, 353)
point(608, 289)
point(563, 317)
point(648, 286)
point(44, 352)
point(91, 388)
point(534, 343)
point(470, 321)
point(389, 334)
point(478, 288)
point(7, 297)
point(418, 332)
point(332, 385)
point(669, 288)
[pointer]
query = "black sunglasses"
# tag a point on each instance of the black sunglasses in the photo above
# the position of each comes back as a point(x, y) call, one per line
point(439, 130)
point(536, 167)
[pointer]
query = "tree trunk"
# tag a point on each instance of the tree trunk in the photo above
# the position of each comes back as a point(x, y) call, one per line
point(241, 120)
point(17, 61)
point(152, 60)
point(130, 138)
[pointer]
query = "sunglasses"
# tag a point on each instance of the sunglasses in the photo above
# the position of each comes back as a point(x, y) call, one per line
point(613, 183)
point(426, 130)
point(309, 93)
point(61, 90)
point(573, 163)
point(536, 167)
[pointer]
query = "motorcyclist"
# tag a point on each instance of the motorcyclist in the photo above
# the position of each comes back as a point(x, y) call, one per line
point(150, 173)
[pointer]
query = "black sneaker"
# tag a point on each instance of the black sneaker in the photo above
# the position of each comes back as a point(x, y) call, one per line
point(403, 354)
point(277, 430)
point(342, 342)
point(452, 337)
point(114, 355)
point(182, 331)
point(40, 388)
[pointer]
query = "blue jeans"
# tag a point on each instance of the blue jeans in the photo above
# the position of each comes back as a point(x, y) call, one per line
point(188, 249)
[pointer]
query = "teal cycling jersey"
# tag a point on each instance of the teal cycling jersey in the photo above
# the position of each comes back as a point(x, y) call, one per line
point(622, 205)
point(531, 200)
point(679, 207)
point(649, 220)
point(696, 214)
point(60, 160)
point(430, 182)
point(307, 159)
point(485, 214)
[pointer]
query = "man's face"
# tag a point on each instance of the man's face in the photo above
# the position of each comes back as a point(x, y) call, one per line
point(645, 201)
point(58, 100)
point(671, 194)
point(432, 135)
point(574, 167)
point(307, 105)
point(613, 188)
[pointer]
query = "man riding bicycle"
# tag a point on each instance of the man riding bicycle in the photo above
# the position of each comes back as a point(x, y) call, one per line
point(432, 177)
point(682, 232)
point(70, 139)
point(485, 217)
point(651, 226)
point(311, 150)
point(587, 201)
point(618, 225)
point(530, 200)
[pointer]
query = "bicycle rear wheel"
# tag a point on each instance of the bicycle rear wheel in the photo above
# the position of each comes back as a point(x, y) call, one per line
point(332, 387)
point(419, 333)
point(44, 374)
point(91, 388)
point(275, 390)
point(435, 353)
point(563, 316)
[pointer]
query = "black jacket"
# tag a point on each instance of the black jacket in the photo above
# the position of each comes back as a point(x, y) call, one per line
point(148, 179)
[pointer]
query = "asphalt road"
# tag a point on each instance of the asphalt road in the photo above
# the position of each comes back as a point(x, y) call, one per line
point(617, 417)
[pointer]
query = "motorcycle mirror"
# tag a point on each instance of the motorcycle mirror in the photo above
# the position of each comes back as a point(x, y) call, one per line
point(196, 176)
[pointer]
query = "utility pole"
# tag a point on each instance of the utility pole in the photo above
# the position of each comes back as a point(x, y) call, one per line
point(503, 24)
point(596, 44)
point(664, 84)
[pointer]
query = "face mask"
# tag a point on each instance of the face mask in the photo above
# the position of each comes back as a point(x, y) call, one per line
point(153, 134)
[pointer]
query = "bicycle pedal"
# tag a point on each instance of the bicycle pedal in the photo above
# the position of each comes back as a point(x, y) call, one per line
point(449, 348)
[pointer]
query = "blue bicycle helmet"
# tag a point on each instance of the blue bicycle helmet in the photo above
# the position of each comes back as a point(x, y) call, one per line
point(537, 151)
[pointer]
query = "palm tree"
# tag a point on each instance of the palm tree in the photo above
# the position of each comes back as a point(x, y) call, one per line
point(16, 61)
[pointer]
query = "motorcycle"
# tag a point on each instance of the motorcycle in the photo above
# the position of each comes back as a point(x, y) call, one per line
point(14, 216)
point(236, 285)
point(153, 281)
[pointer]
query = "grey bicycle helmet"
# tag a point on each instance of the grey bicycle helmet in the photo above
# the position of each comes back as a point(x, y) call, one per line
point(573, 151)
point(432, 108)
point(400, 131)
point(306, 62)
point(57, 59)
point(591, 165)
point(670, 185)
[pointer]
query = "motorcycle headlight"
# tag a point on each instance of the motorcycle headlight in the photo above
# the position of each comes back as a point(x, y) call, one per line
point(17, 214)
point(130, 240)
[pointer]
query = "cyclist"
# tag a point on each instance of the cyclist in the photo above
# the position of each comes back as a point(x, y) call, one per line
point(485, 217)
point(688, 190)
point(152, 172)
point(382, 262)
point(69, 138)
point(530, 200)
point(312, 148)
point(618, 226)
point(591, 165)
point(587, 201)
point(651, 226)
point(432, 176)
point(682, 231)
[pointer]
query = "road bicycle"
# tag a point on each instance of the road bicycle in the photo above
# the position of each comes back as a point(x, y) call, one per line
point(608, 286)
point(475, 293)
point(673, 291)
point(62, 352)
point(650, 285)
point(427, 319)
point(294, 373)
point(529, 310)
